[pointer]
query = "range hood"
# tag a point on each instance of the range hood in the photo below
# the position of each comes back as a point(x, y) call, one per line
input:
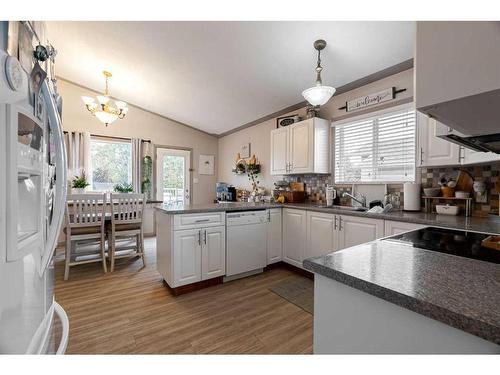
point(472, 122)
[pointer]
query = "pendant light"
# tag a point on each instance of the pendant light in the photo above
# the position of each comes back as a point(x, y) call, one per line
point(318, 94)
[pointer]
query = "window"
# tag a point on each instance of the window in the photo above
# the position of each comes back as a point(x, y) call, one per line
point(111, 163)
point(380, 148)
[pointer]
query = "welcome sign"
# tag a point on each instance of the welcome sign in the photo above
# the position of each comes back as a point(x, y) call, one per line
point(371, 99)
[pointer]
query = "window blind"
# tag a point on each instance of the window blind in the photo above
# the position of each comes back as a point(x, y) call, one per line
point(376, 149)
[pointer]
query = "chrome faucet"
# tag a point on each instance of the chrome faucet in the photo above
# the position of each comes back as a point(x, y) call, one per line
point(361, 201)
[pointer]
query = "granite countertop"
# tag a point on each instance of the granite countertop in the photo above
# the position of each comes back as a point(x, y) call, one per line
point(461, 292)
point(478, 224)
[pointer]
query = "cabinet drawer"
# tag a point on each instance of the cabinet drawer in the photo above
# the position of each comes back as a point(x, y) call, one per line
point(205, 219)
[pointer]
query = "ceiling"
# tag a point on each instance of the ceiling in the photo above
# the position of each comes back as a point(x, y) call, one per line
point(217, 76)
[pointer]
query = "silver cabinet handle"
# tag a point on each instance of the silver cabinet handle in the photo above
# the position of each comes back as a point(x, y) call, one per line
point(199, 237)
point(340, 223)
point(205, 237)
point(335, 223)
point(421, 156)
point(201, 220)
point(268, 216)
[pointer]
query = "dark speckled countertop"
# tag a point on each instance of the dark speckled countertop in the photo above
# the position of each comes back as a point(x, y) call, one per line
point(477, 224)
point(463, 293)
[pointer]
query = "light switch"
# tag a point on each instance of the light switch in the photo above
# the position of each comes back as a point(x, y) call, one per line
point(195, 180)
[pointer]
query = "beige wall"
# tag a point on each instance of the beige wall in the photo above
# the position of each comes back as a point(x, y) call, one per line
point(142, 124)
point(258, 135)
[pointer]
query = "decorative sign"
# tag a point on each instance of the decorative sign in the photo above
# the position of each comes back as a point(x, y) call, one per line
point(371, 99)
point(206, 164)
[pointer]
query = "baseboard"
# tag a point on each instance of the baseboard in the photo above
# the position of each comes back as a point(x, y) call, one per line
point(290, 267)
point(195, 286)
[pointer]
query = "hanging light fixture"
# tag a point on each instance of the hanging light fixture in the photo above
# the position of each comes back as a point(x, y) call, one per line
point(102, 110)
point(318, 94)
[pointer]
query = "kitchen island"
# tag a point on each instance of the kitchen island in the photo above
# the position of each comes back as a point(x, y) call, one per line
point(388, 297)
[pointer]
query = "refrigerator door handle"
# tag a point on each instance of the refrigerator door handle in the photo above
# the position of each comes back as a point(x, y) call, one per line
point(61, 174)
point(63, 317)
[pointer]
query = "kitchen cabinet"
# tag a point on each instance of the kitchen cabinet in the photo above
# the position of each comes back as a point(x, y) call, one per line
point(434, 151)
point(475, 157)
point(191, 247)
point(321, 234)
point(353, 230)
point(302, 147)
point(274, 236)
point(395, 227)
point(294, 236)
point(213, 252)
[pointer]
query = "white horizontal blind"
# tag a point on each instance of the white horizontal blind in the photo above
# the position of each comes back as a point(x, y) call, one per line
point(376, 149)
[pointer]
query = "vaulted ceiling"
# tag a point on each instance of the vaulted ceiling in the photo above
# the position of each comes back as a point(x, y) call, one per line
point(216, 76)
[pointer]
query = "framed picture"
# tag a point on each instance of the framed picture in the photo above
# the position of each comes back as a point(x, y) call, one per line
point(206, 165)
point(245, 151)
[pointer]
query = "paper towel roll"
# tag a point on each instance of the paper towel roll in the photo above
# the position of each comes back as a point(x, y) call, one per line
point(411, 192)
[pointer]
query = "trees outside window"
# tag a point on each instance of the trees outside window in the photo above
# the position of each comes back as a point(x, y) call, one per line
point(111, 162)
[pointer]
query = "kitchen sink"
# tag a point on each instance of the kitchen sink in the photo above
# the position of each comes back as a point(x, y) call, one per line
point(345, 208)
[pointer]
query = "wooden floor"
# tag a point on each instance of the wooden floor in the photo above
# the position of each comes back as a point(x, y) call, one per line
point(132, 311)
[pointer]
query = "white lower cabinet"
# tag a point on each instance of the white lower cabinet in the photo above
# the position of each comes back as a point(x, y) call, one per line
point(354, 230)
point(321, 236)
point(213, 252)
point(294, 236)
point(187, 257)
point(395, 227)
point(274, 236)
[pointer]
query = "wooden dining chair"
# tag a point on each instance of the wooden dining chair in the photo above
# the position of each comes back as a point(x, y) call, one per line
point(85, 217)
point(127, 216)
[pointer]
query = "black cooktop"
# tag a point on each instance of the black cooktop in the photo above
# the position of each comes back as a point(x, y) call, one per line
point(449, 241)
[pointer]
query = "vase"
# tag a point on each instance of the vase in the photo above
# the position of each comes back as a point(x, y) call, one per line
point(78, 191)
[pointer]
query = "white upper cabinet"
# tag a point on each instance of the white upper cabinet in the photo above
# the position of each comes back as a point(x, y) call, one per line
point(434, 151)
point(475, 157)
point(279, 151)
point(302, 147)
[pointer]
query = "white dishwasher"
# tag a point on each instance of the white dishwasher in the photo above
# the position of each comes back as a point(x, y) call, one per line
point(246, 242)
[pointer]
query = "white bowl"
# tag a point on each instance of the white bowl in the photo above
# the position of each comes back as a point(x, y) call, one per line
point(462, 194)
point(432, 192)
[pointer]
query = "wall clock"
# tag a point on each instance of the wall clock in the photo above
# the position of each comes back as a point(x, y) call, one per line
point(14, 73)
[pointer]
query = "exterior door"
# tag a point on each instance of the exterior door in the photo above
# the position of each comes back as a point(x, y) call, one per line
point(279, 151)
point(434, 151)
point(301, 149)
point(274, 236)
point(173, 182)
point(354, 230)
point(294, 236)
point(320, 234)
point(213, 252)
point(187, 256)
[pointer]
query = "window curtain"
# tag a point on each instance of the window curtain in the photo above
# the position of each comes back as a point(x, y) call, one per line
point(77, 148)
point(136, 164)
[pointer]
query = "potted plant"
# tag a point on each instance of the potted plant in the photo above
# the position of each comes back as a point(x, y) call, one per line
point(123, 188)
point(79, 183)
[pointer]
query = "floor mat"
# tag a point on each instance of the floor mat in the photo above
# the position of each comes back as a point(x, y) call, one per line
point(299, 292)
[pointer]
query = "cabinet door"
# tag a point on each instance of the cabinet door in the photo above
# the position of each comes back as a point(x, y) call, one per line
point(301, 147)
point(474, 157)
point(213, 252)
point(187, 256)
point(395, 227)
point(294, 236)
point(354, 230)
point(434, 151)
point(279, 151)
point(320, 234)
point(274, 236)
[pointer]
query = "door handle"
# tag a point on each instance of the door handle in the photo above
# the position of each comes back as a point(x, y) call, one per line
point(205, 237)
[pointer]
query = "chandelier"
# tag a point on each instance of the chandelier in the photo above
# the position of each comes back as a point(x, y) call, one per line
point(318, 94)
point(102, 110)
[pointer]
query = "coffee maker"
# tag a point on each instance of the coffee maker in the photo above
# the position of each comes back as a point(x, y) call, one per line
point(221, 191)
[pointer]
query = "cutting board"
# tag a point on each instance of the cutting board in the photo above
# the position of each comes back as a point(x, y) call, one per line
point(464, 181)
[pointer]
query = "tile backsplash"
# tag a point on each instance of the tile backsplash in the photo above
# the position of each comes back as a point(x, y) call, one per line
point(488, 173)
